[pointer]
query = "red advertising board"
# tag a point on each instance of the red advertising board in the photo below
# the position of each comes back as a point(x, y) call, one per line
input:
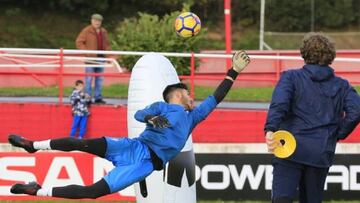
point(54, 169)
point(225, 176)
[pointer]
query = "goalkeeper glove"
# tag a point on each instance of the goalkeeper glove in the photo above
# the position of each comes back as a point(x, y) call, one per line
point(240, 60)
point(158, 121)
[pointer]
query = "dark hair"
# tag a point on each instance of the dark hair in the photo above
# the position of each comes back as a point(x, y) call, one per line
point(78, 82)
point(316, 48)
point(170, 88)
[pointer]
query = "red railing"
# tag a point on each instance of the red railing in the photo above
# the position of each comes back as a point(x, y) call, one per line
point(61, 72)
point(256, 73)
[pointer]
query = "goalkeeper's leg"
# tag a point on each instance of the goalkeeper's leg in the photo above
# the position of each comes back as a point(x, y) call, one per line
point(94, 191)
point(116, 180)
point(95, 146)
point(134, 164)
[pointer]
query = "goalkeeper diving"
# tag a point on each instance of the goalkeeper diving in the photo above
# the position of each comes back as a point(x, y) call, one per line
point(168, 126)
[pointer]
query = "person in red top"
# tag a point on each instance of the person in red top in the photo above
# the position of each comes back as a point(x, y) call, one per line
point(94, 37)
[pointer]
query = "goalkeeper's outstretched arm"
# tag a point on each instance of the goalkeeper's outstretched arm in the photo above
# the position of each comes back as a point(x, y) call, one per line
point(239, 61)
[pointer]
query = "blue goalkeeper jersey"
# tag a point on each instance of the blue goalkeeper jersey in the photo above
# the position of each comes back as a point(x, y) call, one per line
point(168, 142)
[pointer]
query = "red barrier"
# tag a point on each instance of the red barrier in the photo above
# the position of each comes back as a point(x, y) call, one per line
point(44, 121)
point(61, 71)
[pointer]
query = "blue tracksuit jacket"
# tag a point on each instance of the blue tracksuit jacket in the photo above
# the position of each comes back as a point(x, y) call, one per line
point(168, 142)
point(318, 108)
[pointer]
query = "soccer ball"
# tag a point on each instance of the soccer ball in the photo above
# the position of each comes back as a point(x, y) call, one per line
point(187, 24)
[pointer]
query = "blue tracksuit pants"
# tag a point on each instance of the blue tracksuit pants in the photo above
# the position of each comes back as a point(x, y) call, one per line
point(290, 178)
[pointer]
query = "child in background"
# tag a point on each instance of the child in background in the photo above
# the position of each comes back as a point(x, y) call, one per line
point(80, 102)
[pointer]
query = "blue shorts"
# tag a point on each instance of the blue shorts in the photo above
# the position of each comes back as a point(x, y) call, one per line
point(132, 162)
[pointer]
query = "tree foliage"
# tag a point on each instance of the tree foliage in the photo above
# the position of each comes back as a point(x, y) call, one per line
point(281, 15)
point(290, 16)
point(55, 23)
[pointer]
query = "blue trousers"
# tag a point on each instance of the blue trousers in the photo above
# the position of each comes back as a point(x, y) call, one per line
point(98, 81)
point(288, 177)
point(79, 122)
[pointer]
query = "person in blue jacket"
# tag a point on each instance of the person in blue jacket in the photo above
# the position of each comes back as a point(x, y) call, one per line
point(319, 109)
point(168, 126)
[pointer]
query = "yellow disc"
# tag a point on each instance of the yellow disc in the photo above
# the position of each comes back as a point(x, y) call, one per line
point(287, 146)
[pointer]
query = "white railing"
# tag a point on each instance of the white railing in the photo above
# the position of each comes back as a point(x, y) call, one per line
point(140, 53)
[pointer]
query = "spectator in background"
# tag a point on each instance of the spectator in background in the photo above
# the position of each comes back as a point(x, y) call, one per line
point(80, 102)
point(94, 37)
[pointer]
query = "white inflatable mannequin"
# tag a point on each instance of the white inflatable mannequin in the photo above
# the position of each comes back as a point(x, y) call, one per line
point(150, 75)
